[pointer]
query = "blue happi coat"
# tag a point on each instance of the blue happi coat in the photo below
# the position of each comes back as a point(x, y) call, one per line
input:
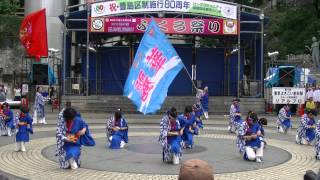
point(66, 150)
point(117, 136)
point(7, 122)
point(186, 123)
point(304, 130)
point(25, 128)
point(252, 130)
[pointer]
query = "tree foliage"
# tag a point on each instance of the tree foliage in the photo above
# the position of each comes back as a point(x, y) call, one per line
point(291, 29)
point(9, 7)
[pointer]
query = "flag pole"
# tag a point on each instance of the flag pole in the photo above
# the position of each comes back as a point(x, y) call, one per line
point(186, 70)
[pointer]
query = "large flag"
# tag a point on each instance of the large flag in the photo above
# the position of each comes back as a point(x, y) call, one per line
point(33, 34)
point(155, 66)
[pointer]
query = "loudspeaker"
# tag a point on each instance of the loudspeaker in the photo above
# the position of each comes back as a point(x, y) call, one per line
point(40, 74)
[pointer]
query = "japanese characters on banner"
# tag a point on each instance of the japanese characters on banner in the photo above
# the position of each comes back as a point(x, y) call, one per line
point(216, 9)
point(166, 25)
point(155, 66)
point(288, 95)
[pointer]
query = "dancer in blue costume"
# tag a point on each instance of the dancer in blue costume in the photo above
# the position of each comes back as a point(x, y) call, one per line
point(306, 130)
point(253, 144)
point(198, 113)
point(234, 116)
point(72, 132)
point(284, 119)
point(24, 126)
point(7, 125)
point(117, 131)
point(317, 142)
point(188, 123)
point(170, 137)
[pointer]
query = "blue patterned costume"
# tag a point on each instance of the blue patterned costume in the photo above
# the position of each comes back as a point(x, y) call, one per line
point(284, 120)
point(7, 123)
point(304, 131)
point(170, 145)
point(39, 103)
point(234, 120)
point(317, 142)
point(66, 150)
point(117, 136)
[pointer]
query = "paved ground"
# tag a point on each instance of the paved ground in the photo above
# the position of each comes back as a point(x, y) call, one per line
point(283, 158)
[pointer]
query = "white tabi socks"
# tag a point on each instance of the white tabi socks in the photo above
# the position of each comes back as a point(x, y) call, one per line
point(73, 164)
point(35, 119)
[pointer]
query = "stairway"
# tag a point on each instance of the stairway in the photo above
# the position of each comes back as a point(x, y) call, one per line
point(109, 103)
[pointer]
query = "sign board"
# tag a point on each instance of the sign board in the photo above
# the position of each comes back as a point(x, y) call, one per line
point(288, 95)
point(214, 26)
point(216, 9)
point(76, 86)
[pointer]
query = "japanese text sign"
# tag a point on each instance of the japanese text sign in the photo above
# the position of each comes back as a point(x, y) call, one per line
point(288, 95)
point(216, 9)
point(167, 25)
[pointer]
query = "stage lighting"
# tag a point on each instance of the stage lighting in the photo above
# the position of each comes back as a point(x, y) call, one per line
point(272, 54)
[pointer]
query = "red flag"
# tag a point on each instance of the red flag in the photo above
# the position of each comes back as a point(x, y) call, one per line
point(33, 34)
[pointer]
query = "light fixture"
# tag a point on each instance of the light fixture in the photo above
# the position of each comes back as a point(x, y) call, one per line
point(234, 51)
point(53, 50)
point(92, 49)
point(273, 54)
point(261, 16)
point(160, 14)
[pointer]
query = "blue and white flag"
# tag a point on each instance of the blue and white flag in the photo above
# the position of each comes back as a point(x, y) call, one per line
point(155, 66)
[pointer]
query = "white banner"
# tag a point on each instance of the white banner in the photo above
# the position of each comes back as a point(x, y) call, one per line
point(288, 95)
point(216, 9)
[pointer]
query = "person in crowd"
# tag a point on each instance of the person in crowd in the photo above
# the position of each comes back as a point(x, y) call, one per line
point(188, 123)
point(306, 130)
point(24, 127)
point(72, 132)
point(7, 125)
point(51, 94)
point(38, 109)
point(284, 119)
point(196, 169)
point(234, 116)
point(117, 131)
point(310, 104)
point(263, 122)
point(197, 112)
point(170, 137)
point(316, 98)
point(17, 93)
point(309, 93)
point(253, 144)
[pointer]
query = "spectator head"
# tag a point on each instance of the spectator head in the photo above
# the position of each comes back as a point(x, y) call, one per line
point(287, 107)
point(310, 175)
point(263, 121)
point(69, 113)
point(196, 169)
point(38, 89)
point(310, 98)
point(236, 101)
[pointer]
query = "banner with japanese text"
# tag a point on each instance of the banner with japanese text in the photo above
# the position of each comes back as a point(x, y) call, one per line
point(216, 26)
point(288, 95)
point(202, 7)
point(155, 66)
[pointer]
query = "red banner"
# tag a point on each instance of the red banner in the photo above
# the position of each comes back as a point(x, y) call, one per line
point(167, 25)
point(33, 34)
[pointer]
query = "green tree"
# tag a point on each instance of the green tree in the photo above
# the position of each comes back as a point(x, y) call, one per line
point(8, 7)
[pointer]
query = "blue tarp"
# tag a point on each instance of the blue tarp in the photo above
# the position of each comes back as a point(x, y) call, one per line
point(272, 78)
